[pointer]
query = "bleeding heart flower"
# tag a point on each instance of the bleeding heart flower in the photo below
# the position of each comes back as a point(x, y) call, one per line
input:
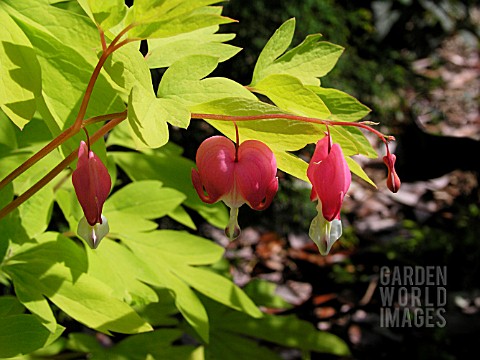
point(330, 177)
point(92, 185)
point(236, 176)
point(393, 181)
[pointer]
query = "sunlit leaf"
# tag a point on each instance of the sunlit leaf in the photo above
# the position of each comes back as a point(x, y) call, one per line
point(164, 52)
point(21, 334)
point(56, 267)
point(174, 172)
point(20, 75)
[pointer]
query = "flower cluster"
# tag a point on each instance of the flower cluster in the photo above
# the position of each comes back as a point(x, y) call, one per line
point(245, 173)
point(237, 174)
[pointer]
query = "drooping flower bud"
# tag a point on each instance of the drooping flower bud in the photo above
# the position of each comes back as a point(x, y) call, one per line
point(393, 181)
point(92, 184)
point(330, 177)
point(236, 176)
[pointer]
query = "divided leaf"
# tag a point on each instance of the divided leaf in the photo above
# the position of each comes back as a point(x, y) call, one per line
point(105, 13)
point(290, 95)
point(164, 52)
point(170, 255)
point(307, 62)
point(174, 172)
point(130, 209)
point(55, 267)
point(183, 82)
point(20, 74)
point(21, 334)
point(276, 46)
point(154, 19)
point(343, 107)
point(148, 117)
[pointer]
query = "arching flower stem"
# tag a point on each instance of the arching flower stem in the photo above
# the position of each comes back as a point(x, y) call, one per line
point(57, 169)
point(59, 140)
point(385, 138)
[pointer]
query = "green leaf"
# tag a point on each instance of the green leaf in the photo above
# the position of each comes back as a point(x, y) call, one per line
point(147, 11)
point(34, 301)
point(126, 68)
point(165, 51)
point(358, 170)
point(84, 343)
point(89, 302)
point(56, 267)
point(156, 344)
point(290, 95)
point(20, 75)
point(263, 293)
point(35, 213)
point(183, 82)
point(174, 172)
point(343, 107)
point(174, 250)
point(180, 215)
point(129, 209)
point(21, 334)
point(172, 18)
point(352, 140)
point(108, 13)
point(67, 59)
point(9, 305)
point(229, 346)
point(160, 275)
point(215, 287)
point(148, 116)
point(283, 330)
point(307, 62)
point(161, 312)
point(124, 280)
point(189, 249)
point(8, 138)
point(276, 46)
point(70, 207)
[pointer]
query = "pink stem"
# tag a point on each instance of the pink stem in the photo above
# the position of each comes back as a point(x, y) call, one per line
point(382, 137)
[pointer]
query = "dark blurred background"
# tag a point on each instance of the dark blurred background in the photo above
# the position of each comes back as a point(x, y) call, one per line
point(416, 65)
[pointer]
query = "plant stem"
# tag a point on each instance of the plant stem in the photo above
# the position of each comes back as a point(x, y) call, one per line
point(57, 169)
point(72, 130)
point(234, 118)
point(88, 92)
point(59, 140)
point(114, 45)
point(99, 118)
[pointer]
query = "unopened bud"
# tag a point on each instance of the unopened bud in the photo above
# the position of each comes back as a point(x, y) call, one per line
point(393, 181)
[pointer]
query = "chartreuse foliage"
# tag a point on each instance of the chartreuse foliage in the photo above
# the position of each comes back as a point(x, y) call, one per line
point(153, 284)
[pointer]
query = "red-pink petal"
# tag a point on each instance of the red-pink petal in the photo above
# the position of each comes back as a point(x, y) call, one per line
point(251, 178)
point(255, 174)
point(216, 162)
point(330, 178)
point(92, 184)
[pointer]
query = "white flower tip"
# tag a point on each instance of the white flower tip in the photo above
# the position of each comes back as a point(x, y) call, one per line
point(93, 234)
point(325, 233)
